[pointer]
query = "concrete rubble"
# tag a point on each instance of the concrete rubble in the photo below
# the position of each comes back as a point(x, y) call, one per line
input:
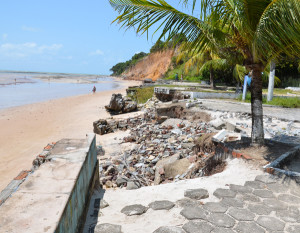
point(119, 104)
point(164, 148)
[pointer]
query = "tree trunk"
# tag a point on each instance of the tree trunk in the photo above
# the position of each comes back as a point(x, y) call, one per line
point(257, 134)
point(211, 78)
point(271, 81)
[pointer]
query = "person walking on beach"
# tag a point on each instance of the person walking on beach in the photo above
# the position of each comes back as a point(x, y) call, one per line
point(94, 89)
point(181, 77)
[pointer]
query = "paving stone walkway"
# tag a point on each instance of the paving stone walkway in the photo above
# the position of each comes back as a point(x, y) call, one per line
point(263, 205)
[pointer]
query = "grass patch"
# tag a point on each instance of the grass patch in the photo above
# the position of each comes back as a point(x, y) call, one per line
point(293, 102)
point(280, 91)
point(142, 94)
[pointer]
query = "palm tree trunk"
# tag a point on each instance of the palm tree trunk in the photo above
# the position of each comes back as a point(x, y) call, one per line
point(257, 134)
point(211, 78)
point(271, 81)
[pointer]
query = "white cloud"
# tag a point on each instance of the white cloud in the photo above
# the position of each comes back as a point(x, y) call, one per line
point(29, 29)
point(27, 49)
point(97, 52)
point(4, 36)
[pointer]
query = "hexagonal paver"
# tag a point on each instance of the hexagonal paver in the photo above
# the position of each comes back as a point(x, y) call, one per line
point(240, 188)
point(264, 193)
point(134, 210)
point(161, 205)
point(255, 184)
point(248, 227)
point(221, 193)
point(296, 191)
point(271, 223)
point(215, 207)
point(248, 197)
point(187, 202)
point(293, 229)
point(108, 228)
point(290, 215)
point(221, 220)
point(196, 194)
point(267, 179)
point(197, 226)
point(241, 214)
point(232, 202)
point(277, 188)
point(275, 204)
point(223, 230)
point(169, 229)
point(289, 198)
point(259, 209)
point(194, 213)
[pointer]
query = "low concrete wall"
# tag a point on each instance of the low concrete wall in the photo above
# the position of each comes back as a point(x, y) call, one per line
point(212, 95)
point(276, 166)
point(55, 197)
point(73, 215)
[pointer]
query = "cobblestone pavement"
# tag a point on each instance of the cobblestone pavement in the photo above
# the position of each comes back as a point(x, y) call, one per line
point(263, 205)
point(266, 204)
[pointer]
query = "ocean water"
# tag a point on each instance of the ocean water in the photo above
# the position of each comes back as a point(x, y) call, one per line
point(41, 90)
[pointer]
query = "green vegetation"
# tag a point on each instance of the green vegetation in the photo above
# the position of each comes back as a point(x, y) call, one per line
point(279, 91)
point(142, 94)
point(259, 30)
point(192, 74)
point(291, 102)
point(119, 68)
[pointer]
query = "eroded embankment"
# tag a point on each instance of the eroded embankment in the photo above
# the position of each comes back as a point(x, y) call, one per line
point(152, 67)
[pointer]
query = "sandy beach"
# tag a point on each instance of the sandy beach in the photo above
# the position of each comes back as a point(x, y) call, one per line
point(25, 130)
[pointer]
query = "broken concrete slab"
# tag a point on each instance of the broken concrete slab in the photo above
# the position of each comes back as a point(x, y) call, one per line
point(217, 124)
point(220, 136)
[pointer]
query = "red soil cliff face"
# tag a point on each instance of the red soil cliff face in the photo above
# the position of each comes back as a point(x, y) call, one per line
point(153, 66)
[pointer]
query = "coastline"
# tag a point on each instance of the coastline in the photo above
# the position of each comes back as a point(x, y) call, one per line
point(26, 129)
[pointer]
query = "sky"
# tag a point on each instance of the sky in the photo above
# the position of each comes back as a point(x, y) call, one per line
point(65, 36)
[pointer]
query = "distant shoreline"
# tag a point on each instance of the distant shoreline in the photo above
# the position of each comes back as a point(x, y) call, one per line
point(17, 77)
point(22, 89)
point(26, 129)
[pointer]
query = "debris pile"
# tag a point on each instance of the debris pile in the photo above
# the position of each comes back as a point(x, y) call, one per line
point(103, 126)
point(118, 104)
point(174, 142)
point(162, 153)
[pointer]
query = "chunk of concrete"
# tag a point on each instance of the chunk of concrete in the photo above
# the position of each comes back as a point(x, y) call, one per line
point(178, 167)
point(217, 124)
point(160, 165)
point(230, 127)
point(220, 136)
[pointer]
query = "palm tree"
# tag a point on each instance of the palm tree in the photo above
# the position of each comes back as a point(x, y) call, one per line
point(206, 61)
point(259, 29)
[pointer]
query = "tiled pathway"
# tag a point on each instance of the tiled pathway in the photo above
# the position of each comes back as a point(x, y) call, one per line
point(264, 205)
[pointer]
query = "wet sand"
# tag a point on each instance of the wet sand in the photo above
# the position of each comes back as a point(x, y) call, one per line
point(25, 130)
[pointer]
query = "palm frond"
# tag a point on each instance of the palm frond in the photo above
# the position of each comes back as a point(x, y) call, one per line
point(265, 77)
point(239, 73)
point(216, 64)
point(143, 14)
point(278, 30)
